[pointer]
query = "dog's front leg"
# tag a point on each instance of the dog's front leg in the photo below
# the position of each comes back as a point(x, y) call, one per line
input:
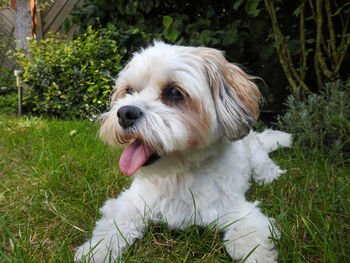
point(248, 235)
point(123, 220)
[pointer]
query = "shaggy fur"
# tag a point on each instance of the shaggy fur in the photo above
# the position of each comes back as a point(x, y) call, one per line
point(185, 115)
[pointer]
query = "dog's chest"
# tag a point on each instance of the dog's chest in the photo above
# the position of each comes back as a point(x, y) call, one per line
point(184, 201)
point(207, 192)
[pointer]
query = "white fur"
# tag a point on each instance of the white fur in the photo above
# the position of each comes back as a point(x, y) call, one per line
point(273, 139)
point(189, 185)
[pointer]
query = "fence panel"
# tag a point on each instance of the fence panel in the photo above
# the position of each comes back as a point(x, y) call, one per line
point(7, 39)
point(51, 16)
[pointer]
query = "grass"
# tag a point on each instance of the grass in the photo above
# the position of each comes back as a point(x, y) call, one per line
point(56, 174)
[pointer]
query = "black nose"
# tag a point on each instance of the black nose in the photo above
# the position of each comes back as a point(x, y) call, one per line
point(128, 116)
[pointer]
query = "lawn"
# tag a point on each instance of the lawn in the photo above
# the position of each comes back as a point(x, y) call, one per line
point(56, 174)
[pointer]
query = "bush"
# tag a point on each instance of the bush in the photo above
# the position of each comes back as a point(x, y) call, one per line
point(8, 103)
point(240, 28)
point(8, 91)
point(70, 79)
point(321, 121)
point(244, 30)
point(7, 81)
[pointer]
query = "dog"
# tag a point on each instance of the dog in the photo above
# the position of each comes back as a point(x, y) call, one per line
point(185, 115)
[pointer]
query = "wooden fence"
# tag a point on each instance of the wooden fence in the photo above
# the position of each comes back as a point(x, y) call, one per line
point(53, 17)
point(7, 33)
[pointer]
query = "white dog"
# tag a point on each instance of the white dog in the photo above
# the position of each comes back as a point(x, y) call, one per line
point(185, 114)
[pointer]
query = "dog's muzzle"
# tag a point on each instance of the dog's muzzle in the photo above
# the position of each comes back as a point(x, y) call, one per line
point(129, 115)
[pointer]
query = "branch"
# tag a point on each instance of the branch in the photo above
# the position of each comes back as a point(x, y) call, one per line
point(344, 44)
point(283, 51)
point(319, 59)
point(342, 55)
point(332, 43)
point(303, 62)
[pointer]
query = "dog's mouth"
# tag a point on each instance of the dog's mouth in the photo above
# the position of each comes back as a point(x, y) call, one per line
point(135, 155)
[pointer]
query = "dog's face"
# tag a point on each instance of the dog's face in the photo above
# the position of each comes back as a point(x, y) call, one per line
point(169, 99)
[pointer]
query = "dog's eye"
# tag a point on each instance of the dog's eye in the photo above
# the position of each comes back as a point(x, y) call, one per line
point(129, 90)
point(172, 93)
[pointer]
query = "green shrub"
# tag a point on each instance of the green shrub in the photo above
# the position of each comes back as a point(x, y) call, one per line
point(321, 121)
point(240, 28)
point(243, 29)
point(8, 103)
point(70, 78)
point(8, 91)
point(7, 81)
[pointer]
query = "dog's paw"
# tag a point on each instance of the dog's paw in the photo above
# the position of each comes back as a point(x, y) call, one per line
point(85, 253)
point(96, 253)
point(262, 253)
point(268, 256)
point(268, 174)
point(79, 254)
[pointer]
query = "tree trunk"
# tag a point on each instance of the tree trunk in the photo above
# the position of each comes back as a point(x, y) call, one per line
point(23, 23)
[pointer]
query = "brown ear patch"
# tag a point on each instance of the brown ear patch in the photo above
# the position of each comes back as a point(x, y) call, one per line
point(244, 87)
point(235, 95)
point(239, 82)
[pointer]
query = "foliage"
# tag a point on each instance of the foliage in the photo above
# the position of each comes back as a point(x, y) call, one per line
point(8, 91)
point(239, 28)
point(70, 79)
point(324, 37)
point(136, 23)
point(242, 29)
point(7, 81)
point(8, 103)
point(321, 122)
point(5, 3)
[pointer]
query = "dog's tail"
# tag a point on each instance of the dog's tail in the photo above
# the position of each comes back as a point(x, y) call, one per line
point(272, 140)
point(259, 145)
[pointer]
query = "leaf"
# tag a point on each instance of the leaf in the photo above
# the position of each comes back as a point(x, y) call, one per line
point(146, 5)
point(167, 21)
point(66, 25)
point(132, 31)
point(131, 8)
point(310, 40)
point(171, 34)
point(236, 23)
point(210, 12)
point(72, 132)
point(297, 11)
point(251, 7)
point(230, 37)
point(237, 4)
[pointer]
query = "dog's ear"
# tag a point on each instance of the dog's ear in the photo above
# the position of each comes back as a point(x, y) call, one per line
point(235, 95)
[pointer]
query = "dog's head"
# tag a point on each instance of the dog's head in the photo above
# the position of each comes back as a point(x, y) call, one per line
point(173, 98)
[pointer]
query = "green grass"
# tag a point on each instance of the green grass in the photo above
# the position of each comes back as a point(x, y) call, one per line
point(54, 176)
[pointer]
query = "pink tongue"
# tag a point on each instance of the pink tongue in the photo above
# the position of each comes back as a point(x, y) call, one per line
point(133, 157)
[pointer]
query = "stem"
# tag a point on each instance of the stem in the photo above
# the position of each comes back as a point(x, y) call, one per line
point(344, 44)
point(342, 55)
point(283, 51)
point(320, 64)
point(302, 41)
point(332, 42)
